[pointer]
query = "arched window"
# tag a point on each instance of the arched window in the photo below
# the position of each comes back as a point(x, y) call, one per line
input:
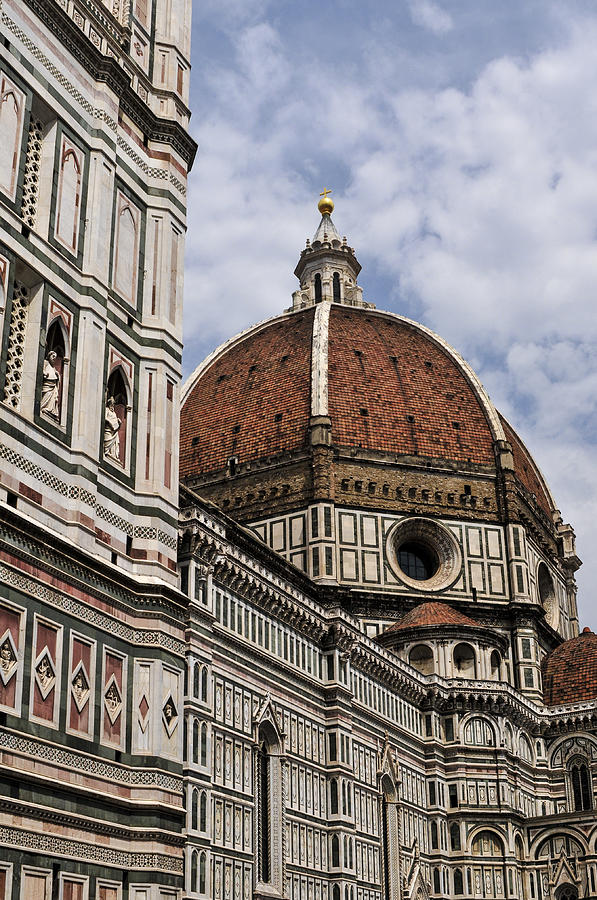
point(195, 754)
point(580, 781)
point(336, 892)
point(508, 736)
point(344, 804)
point(525, 750)
point(421, 658)
point(346, 854)
point(269, 808)
point(194, 872)
point(203, 755)
point(455, 836)
point(552, 847)
point(335, 851)
point(567, 892)
point(488, 844)
point(434, 837)
point(126, 248)
point(116, 418)
point(389, 835)
point(465, 665)
point(490, 867)
point(202, 874)
point(53, 373)
point(68, 204)
point(458, 884)
point(196, 676)
point(336, 287)
point(317, 287)
point(203, 694)
point(203, 812)
point(334, 797)
point(194, 810)
point(479, 733)
point(436, 882)
point(495, 662)
point(263, 770)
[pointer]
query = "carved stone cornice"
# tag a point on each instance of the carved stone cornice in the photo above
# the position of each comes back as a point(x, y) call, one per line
point(106, 69)
point(94, 826)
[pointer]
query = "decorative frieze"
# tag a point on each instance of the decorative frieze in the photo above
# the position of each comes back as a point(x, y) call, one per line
point(52, 845)
point(90, 765)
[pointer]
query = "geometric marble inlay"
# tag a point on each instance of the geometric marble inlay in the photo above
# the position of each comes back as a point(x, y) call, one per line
point(112, 700)
point(8, 657)
point(45, 674)
point(80, 686)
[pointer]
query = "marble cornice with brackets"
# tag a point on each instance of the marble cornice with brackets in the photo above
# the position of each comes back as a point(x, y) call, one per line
point(103, 65)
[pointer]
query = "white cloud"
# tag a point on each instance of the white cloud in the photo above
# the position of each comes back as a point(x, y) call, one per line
point(431, 16)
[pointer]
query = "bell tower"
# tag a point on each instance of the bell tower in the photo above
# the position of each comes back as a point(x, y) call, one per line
point(94, 156)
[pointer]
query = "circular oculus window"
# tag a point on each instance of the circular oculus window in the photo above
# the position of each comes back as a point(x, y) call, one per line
point(424, 554)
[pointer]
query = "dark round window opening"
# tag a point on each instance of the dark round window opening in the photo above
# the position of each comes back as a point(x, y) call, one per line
point(417, 561)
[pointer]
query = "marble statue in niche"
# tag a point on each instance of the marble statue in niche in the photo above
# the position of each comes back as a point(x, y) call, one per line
point(116, 414)
point(112, 425)
point(50, 386)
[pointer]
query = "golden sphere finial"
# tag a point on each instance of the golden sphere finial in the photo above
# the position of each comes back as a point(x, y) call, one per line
point(326, 204)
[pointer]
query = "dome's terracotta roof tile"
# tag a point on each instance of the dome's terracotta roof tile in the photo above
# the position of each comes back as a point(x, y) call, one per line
point(432, 613)
point(570, 671)
point(253, 401)
point(391, 388)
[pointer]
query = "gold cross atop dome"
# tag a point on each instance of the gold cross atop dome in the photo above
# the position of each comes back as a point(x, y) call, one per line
point(326, 204)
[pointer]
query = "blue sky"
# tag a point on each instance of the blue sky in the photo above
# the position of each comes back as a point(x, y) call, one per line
point(460, 141)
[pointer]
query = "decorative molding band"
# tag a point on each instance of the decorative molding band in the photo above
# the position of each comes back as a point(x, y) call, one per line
point(56, 599)
point(98, 768)
point(93, 826)
point(56, 846)
point(74, 492)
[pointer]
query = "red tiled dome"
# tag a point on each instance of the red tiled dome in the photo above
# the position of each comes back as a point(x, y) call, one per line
point(253, 400)
point(392, 387)
point(432, 614)
point(570, 671)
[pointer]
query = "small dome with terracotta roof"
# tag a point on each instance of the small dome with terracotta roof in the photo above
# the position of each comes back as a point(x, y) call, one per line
point(570, 671)
point(432, 615)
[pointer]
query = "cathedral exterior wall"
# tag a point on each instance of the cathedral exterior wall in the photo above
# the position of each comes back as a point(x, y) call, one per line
point(482, 793)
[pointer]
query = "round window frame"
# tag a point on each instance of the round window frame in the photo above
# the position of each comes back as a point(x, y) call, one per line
point(438, 539)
